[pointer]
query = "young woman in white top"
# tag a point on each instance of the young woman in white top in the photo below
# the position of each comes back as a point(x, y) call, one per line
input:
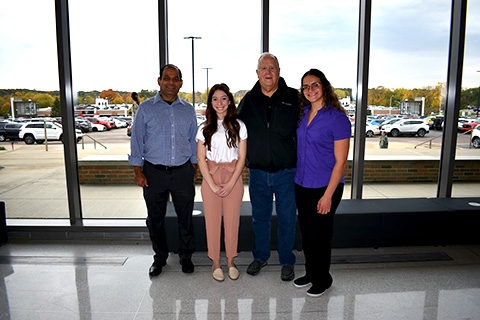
point(221, 152)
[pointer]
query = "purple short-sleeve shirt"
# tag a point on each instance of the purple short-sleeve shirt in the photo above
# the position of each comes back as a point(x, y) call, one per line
point(315, 152)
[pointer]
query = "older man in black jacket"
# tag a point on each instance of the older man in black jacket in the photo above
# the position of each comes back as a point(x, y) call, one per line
point(270, 112)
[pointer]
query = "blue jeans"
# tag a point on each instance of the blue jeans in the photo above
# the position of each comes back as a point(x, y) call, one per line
point(262, 186)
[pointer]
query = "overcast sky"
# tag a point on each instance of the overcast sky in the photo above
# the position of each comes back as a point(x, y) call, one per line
point(114, 43)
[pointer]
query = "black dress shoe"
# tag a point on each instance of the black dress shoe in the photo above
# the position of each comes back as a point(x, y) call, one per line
point(156, 268)
point(187, 265)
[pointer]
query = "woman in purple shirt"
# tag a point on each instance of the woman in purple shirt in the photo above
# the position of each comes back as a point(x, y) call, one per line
point(323, 140)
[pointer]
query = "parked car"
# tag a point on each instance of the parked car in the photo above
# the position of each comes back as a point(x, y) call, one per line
point(32, 132)
point(390, 121)
point(106, 123)
point(476, 137)
point(407, 127)
point(467, 126)
point(9, 131)
point(438, 123)
point(98, 127)
point(129, 120)
point(200, 118)
point(84, 125)
point(370, 129)
point(377, 122)
point(430, 120)
point(117, 123)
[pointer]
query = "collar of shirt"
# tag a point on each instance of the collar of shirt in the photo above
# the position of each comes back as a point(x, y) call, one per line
point(164, 134)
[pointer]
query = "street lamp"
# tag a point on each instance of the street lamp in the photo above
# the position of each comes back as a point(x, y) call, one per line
point(478, 105)
point(207, 79)
point(193, 67)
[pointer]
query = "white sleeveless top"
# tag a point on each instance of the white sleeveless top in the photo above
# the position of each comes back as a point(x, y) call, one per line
point(220, 152)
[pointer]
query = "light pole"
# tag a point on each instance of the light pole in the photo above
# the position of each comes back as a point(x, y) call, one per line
point(207, 79)
point(193, 67)
point(478, 105)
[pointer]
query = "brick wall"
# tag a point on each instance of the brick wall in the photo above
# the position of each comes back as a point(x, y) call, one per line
point(121, 172)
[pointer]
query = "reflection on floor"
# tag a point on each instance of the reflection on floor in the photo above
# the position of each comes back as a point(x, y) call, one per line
point(109, 280)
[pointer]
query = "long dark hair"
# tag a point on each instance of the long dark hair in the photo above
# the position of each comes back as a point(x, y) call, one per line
point(329, 96)
point(230, 122)
point(134, 96)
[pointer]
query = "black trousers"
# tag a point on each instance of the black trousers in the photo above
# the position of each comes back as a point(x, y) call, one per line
point(179, 183)
point(317, 232)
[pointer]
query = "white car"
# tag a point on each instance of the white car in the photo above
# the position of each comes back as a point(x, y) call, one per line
point(32, 132)
point(407, 127)
point(476, 137)
point(119, 123)
point(370, 129)
point(98, 127)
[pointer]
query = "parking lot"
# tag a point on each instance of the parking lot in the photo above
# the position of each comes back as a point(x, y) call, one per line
point(117, 137)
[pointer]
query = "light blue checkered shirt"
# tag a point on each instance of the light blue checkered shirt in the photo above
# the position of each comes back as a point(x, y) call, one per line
point(164, 134)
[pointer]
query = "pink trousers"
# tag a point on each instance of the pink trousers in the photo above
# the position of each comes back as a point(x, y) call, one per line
point(213, 206)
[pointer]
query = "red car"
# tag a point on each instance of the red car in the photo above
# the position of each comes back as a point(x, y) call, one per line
point(108, 124)
point(468, 126)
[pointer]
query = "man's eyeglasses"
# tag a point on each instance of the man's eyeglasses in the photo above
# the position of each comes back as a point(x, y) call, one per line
point(312, 86)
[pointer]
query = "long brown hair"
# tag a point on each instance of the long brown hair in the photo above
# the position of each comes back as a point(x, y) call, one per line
point(229, 122)
point(329, 96)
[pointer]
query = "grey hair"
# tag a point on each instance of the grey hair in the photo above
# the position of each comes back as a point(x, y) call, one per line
point(267, 54)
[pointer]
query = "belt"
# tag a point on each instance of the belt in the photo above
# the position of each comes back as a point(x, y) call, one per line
point(167, 168)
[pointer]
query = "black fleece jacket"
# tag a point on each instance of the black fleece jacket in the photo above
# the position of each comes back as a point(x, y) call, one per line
point(272, 143)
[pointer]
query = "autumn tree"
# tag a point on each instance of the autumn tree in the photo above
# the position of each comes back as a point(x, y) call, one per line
point(182, 95)
point(204, 96)
point(5, 110)
point(108, 94)
point(44, 100)
point(188, 97)
point(340, 93)
point(147, 93)
point(86, 100)
point(470, 97)
point(56, 110)
point(118, 100)
point(239, 96)
point(128, 99)
point(376, 96)
point(4, 100)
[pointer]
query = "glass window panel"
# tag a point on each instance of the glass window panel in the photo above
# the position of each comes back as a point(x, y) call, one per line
point(114, 53)
point(227, 51)
point(230, 43)
point(318, 34)
point(32, 183)
point(466, 181)
point(408, 70)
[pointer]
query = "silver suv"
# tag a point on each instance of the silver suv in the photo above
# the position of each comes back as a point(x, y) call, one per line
point(407, 127)
point(32, 132)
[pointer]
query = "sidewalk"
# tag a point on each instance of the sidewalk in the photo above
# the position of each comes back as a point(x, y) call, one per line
point(33, 182)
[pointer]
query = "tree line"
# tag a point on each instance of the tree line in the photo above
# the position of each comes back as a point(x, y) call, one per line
point(379, 96)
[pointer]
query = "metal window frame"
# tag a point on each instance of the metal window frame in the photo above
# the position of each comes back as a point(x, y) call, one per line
point(456, 50)
point(163, 32)
point(363, 64)
point(68, 115)
point(452, 107)
point(265, 30)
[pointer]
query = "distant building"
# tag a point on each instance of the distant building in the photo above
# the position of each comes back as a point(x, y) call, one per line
point(24, 109)
point(345, 101)
point(413, 107)
point(101, 102)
